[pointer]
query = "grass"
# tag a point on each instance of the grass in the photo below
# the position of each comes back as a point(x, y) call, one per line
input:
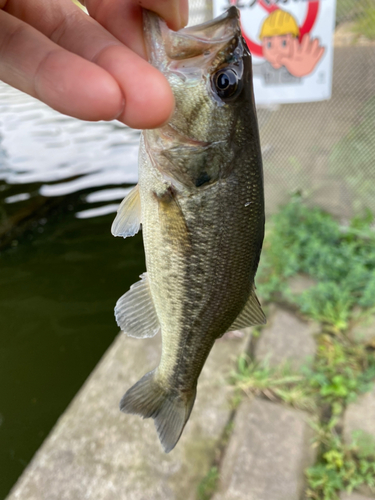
point(341, 467)
point(276, 384)
point(352, 157)
point(360, 12)
point(341, 261)
point(345, 9)
point(365, 24)
point(340, 372)
point(208, 485)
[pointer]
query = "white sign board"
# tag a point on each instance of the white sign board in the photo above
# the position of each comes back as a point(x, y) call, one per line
point(291, 46)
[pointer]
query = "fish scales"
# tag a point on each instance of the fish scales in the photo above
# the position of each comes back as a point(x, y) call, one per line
point(200, 202)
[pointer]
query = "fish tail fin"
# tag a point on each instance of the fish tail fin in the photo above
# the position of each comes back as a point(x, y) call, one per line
point(169, 408)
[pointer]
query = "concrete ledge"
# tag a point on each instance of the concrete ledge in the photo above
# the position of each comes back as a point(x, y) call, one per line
point(97, 453)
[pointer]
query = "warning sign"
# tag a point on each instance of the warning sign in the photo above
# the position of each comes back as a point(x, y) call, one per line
point(291, 45)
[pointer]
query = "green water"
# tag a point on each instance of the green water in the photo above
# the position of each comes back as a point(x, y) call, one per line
point(58, 286)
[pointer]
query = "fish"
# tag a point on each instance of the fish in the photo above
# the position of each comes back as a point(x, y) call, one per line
point(200, 203)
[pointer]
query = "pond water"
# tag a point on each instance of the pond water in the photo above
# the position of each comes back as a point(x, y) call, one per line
point(61, 270)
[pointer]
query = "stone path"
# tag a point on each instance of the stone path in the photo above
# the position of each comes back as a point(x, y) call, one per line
point(267, 453)
point(360, 415)
point(95, 452)
point(271, 444)
point(286, 339)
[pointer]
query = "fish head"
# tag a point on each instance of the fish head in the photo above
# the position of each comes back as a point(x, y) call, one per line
point(208, 67)
point(209, 70)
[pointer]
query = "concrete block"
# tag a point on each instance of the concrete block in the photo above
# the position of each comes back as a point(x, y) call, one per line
point(354, 496)
point(360, 416)
point(364, 331)
point(300, 283)
point(96, 452)
point(267, 454)
point(286, 338)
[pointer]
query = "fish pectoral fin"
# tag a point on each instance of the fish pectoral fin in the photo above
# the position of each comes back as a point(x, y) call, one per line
point(250, 315)
point(169, 409)
point(135, 312)
point(128, 218)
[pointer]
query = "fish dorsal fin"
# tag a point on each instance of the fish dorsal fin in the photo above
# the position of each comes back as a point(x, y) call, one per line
point(250, 315)
point(128, 218)
point(135, 312)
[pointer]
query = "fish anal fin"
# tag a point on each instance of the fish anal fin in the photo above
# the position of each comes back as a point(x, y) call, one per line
point(250, 315)
point(135, 312)
point(169, 410)
point(128, 218)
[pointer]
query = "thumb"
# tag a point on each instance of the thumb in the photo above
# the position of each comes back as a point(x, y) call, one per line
point(174, 12)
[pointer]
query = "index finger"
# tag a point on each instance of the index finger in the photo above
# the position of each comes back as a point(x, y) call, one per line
point(31, 62)
point(148, 97)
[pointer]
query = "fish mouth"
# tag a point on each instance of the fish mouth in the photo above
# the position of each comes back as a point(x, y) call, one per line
point(207, 39)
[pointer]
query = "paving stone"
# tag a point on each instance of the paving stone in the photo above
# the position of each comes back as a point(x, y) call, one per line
point(286, 338)
point(360, 416)
point(354, 496)
point(267, 454)
point(301, 283)
point(364, 331)
point(96, 452)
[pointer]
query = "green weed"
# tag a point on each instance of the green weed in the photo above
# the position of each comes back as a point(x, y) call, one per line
point(365, 24)
point(338, 374)
point(352, 157)
point(345, 10)
point(341, 260)
point(280, 383)
point(341, 371)
point(208, 485)
point(361, 12)
point(341, 467)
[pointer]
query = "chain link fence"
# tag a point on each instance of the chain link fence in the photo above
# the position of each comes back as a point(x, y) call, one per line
point(325, 149)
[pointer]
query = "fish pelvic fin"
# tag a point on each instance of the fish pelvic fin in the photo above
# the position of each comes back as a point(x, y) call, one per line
point(169, 409)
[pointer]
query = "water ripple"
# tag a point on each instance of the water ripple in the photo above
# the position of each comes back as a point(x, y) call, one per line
point(62, 154)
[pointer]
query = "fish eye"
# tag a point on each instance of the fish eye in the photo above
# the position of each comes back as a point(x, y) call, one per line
point(225, 83)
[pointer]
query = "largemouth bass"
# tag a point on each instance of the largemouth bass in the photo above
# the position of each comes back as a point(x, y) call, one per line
point(200, 202)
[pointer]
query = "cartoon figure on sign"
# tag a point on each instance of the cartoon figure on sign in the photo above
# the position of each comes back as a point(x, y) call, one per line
point(287, 59)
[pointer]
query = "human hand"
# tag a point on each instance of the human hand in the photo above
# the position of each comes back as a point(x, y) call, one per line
point(90, 67)
point(303, 56)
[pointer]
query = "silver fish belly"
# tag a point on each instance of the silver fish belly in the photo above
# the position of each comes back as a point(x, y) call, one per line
point(200, 203)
